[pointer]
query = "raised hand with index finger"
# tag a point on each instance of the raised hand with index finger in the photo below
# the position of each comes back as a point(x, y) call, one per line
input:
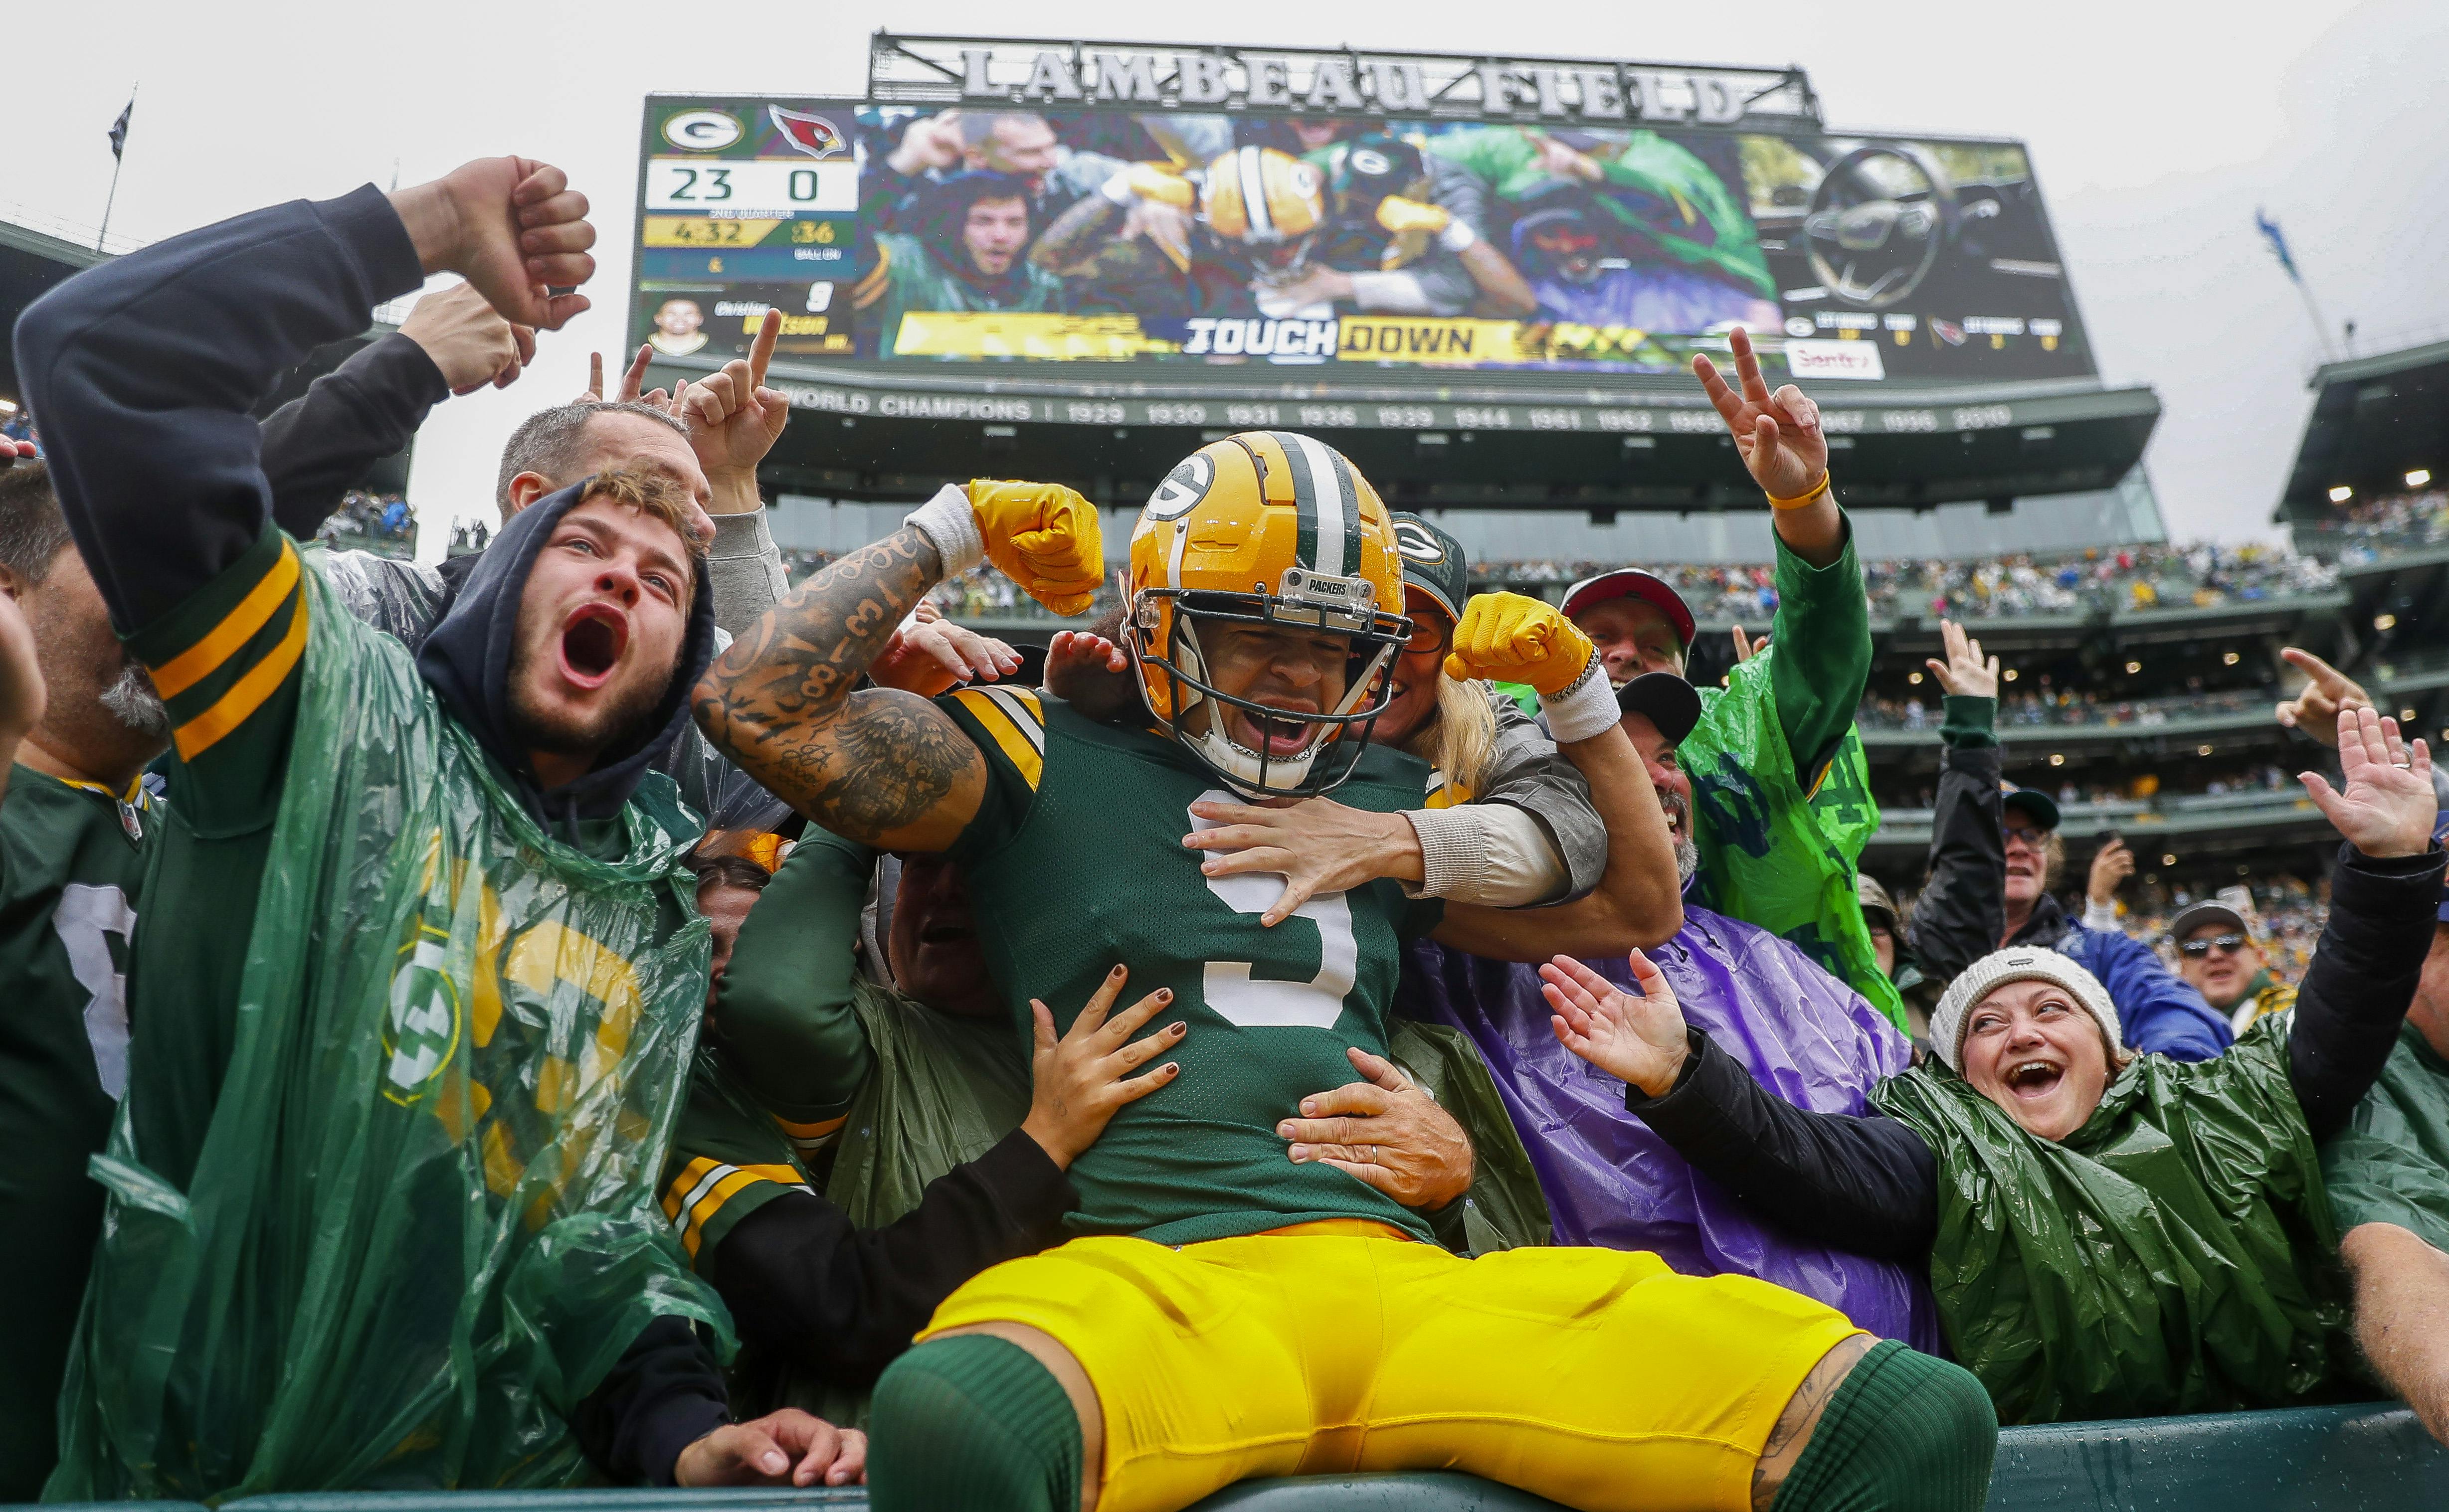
point(734, 419)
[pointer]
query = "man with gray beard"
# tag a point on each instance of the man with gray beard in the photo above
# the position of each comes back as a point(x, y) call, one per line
point(79, 721)
point(1800, 1032)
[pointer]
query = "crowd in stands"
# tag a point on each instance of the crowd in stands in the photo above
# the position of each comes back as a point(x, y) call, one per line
point(539, 971)
point(2371, 526)
point(364, 517)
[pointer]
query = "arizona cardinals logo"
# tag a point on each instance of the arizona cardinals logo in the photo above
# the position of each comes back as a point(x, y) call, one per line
point(814, 134)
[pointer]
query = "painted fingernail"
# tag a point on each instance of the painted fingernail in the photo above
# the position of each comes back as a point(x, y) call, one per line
point(1115, 972)
point(1165, 994)
point(1172, 1068)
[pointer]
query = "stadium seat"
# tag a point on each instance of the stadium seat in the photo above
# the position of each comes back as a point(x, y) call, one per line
point(2370, 1457)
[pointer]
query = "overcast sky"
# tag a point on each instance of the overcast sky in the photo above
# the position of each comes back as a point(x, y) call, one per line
point(2156, 130)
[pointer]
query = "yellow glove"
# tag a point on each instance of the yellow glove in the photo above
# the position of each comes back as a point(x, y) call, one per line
point(1044, 537)
point(1508, 638)
point(1150, 181)
point(1399, 215)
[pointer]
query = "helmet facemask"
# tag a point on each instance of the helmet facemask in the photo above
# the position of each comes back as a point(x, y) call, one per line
point(1305, 604)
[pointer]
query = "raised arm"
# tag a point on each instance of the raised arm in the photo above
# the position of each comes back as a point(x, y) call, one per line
point(1865, 1185)
point(880, 766)
point(2383, 896)
point(1962, 909)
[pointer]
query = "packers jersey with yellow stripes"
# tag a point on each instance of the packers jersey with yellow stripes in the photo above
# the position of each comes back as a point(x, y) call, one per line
point(1075, 862)
point(226, 665)
point(729, 1158)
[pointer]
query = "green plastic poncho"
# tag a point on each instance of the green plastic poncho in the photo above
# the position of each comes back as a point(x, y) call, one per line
point(1772, 854)
point(2174, 1254)
point(422, 1225)
point(2390, 1164)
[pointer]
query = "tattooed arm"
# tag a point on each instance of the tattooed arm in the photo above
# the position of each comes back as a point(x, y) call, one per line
point(880, 766)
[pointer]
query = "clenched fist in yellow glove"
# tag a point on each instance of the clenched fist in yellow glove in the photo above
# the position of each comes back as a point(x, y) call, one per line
point(1509, 638)
point(1043, 535)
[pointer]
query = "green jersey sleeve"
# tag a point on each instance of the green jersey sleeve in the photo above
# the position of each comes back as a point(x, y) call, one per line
point(1007, 725)
point(228, 664)
point(1823, 633)
point(2390, 1164)
point(783, 1007)
point(728, 1159)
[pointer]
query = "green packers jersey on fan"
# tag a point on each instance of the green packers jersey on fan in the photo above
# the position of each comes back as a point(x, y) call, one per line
point(1076, 863)
point(71, 863)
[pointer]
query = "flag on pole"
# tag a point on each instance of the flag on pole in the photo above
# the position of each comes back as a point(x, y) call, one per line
point(2269, 230)
point(119, 130)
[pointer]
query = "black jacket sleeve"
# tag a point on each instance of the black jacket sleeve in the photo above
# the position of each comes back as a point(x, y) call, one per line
point(314, 447)
point(841, 1301)
point(1867, 1186)
point(144, 370)
point(664, 1394)
point(2363, 977)
point(1962, 909)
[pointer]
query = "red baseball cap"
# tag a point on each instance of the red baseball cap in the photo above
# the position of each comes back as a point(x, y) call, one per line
point(1631, 583)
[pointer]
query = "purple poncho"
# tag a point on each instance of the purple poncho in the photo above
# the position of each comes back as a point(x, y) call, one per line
point(1609, 1180)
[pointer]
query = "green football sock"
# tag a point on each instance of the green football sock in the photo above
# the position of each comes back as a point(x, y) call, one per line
point(971, 1421)
point(1904, 1432)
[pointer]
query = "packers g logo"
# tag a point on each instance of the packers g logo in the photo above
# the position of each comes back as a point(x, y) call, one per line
point(703, 131)
point(422, 1029)
point(1413, 539)
point(1182, 488)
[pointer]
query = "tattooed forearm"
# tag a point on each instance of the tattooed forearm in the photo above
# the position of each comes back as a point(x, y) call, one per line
point(1074, 234)
point(780, 703)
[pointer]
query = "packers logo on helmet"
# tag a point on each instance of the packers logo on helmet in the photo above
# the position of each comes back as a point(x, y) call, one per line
point(1259, 197)
point(1275, 532)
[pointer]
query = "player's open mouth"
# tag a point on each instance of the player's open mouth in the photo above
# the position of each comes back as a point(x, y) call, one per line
point(592, 640)
point(2033, 1079)
point(1271, 736)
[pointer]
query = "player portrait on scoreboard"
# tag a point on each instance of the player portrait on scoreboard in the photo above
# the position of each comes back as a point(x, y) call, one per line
point(678, 328)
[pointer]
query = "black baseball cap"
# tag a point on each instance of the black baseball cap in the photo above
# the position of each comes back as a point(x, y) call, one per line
point(1434, 561)
point(1670, 702)
point(2039, 806)
point(2211, 911)
point(1631, 583)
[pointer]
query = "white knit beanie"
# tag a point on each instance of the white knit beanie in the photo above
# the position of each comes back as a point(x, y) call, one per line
point(2021, 963)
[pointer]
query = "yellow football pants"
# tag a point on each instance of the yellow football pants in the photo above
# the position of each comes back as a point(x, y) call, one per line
point(1597, 1378)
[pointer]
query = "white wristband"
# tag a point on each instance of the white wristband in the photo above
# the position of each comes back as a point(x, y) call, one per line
point(1117, 188)
point(1458, 235)
point(949, 521)
point(1584, 710)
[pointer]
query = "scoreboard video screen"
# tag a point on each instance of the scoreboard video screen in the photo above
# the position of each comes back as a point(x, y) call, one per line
point(901, 233)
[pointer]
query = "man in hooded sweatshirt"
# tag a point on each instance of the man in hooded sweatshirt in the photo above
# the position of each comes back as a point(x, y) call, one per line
point(417, 980)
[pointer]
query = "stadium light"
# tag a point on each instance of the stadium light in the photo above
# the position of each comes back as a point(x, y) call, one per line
point(2009, 674)
point(2406, 716)
point(7, 407)
point(2167, 860)
point(2418, 477)
point(2384, 622)
point(2057, 758)
point(2132, 667)
point(2201, 750)
point(2229, 659)
point(2341, 494)
point(1915, 679)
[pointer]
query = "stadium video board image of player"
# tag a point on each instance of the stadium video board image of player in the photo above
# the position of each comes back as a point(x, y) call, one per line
point(904, 234)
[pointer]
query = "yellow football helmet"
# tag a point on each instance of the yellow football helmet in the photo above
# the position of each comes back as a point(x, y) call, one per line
point(1277, 531)
point(1269, 201)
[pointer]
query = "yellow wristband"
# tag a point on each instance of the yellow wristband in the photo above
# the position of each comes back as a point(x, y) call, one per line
point(1807, 497)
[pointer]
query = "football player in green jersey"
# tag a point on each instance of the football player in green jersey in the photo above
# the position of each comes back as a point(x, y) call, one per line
point(74, 817)
point(1285, 1318)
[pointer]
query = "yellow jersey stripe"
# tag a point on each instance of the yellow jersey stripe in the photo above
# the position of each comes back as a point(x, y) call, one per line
point(197, 661)
point(811, 1131)
point(677, 1192)
point(710, 1203)
point(998, 722)
point(247, 694)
